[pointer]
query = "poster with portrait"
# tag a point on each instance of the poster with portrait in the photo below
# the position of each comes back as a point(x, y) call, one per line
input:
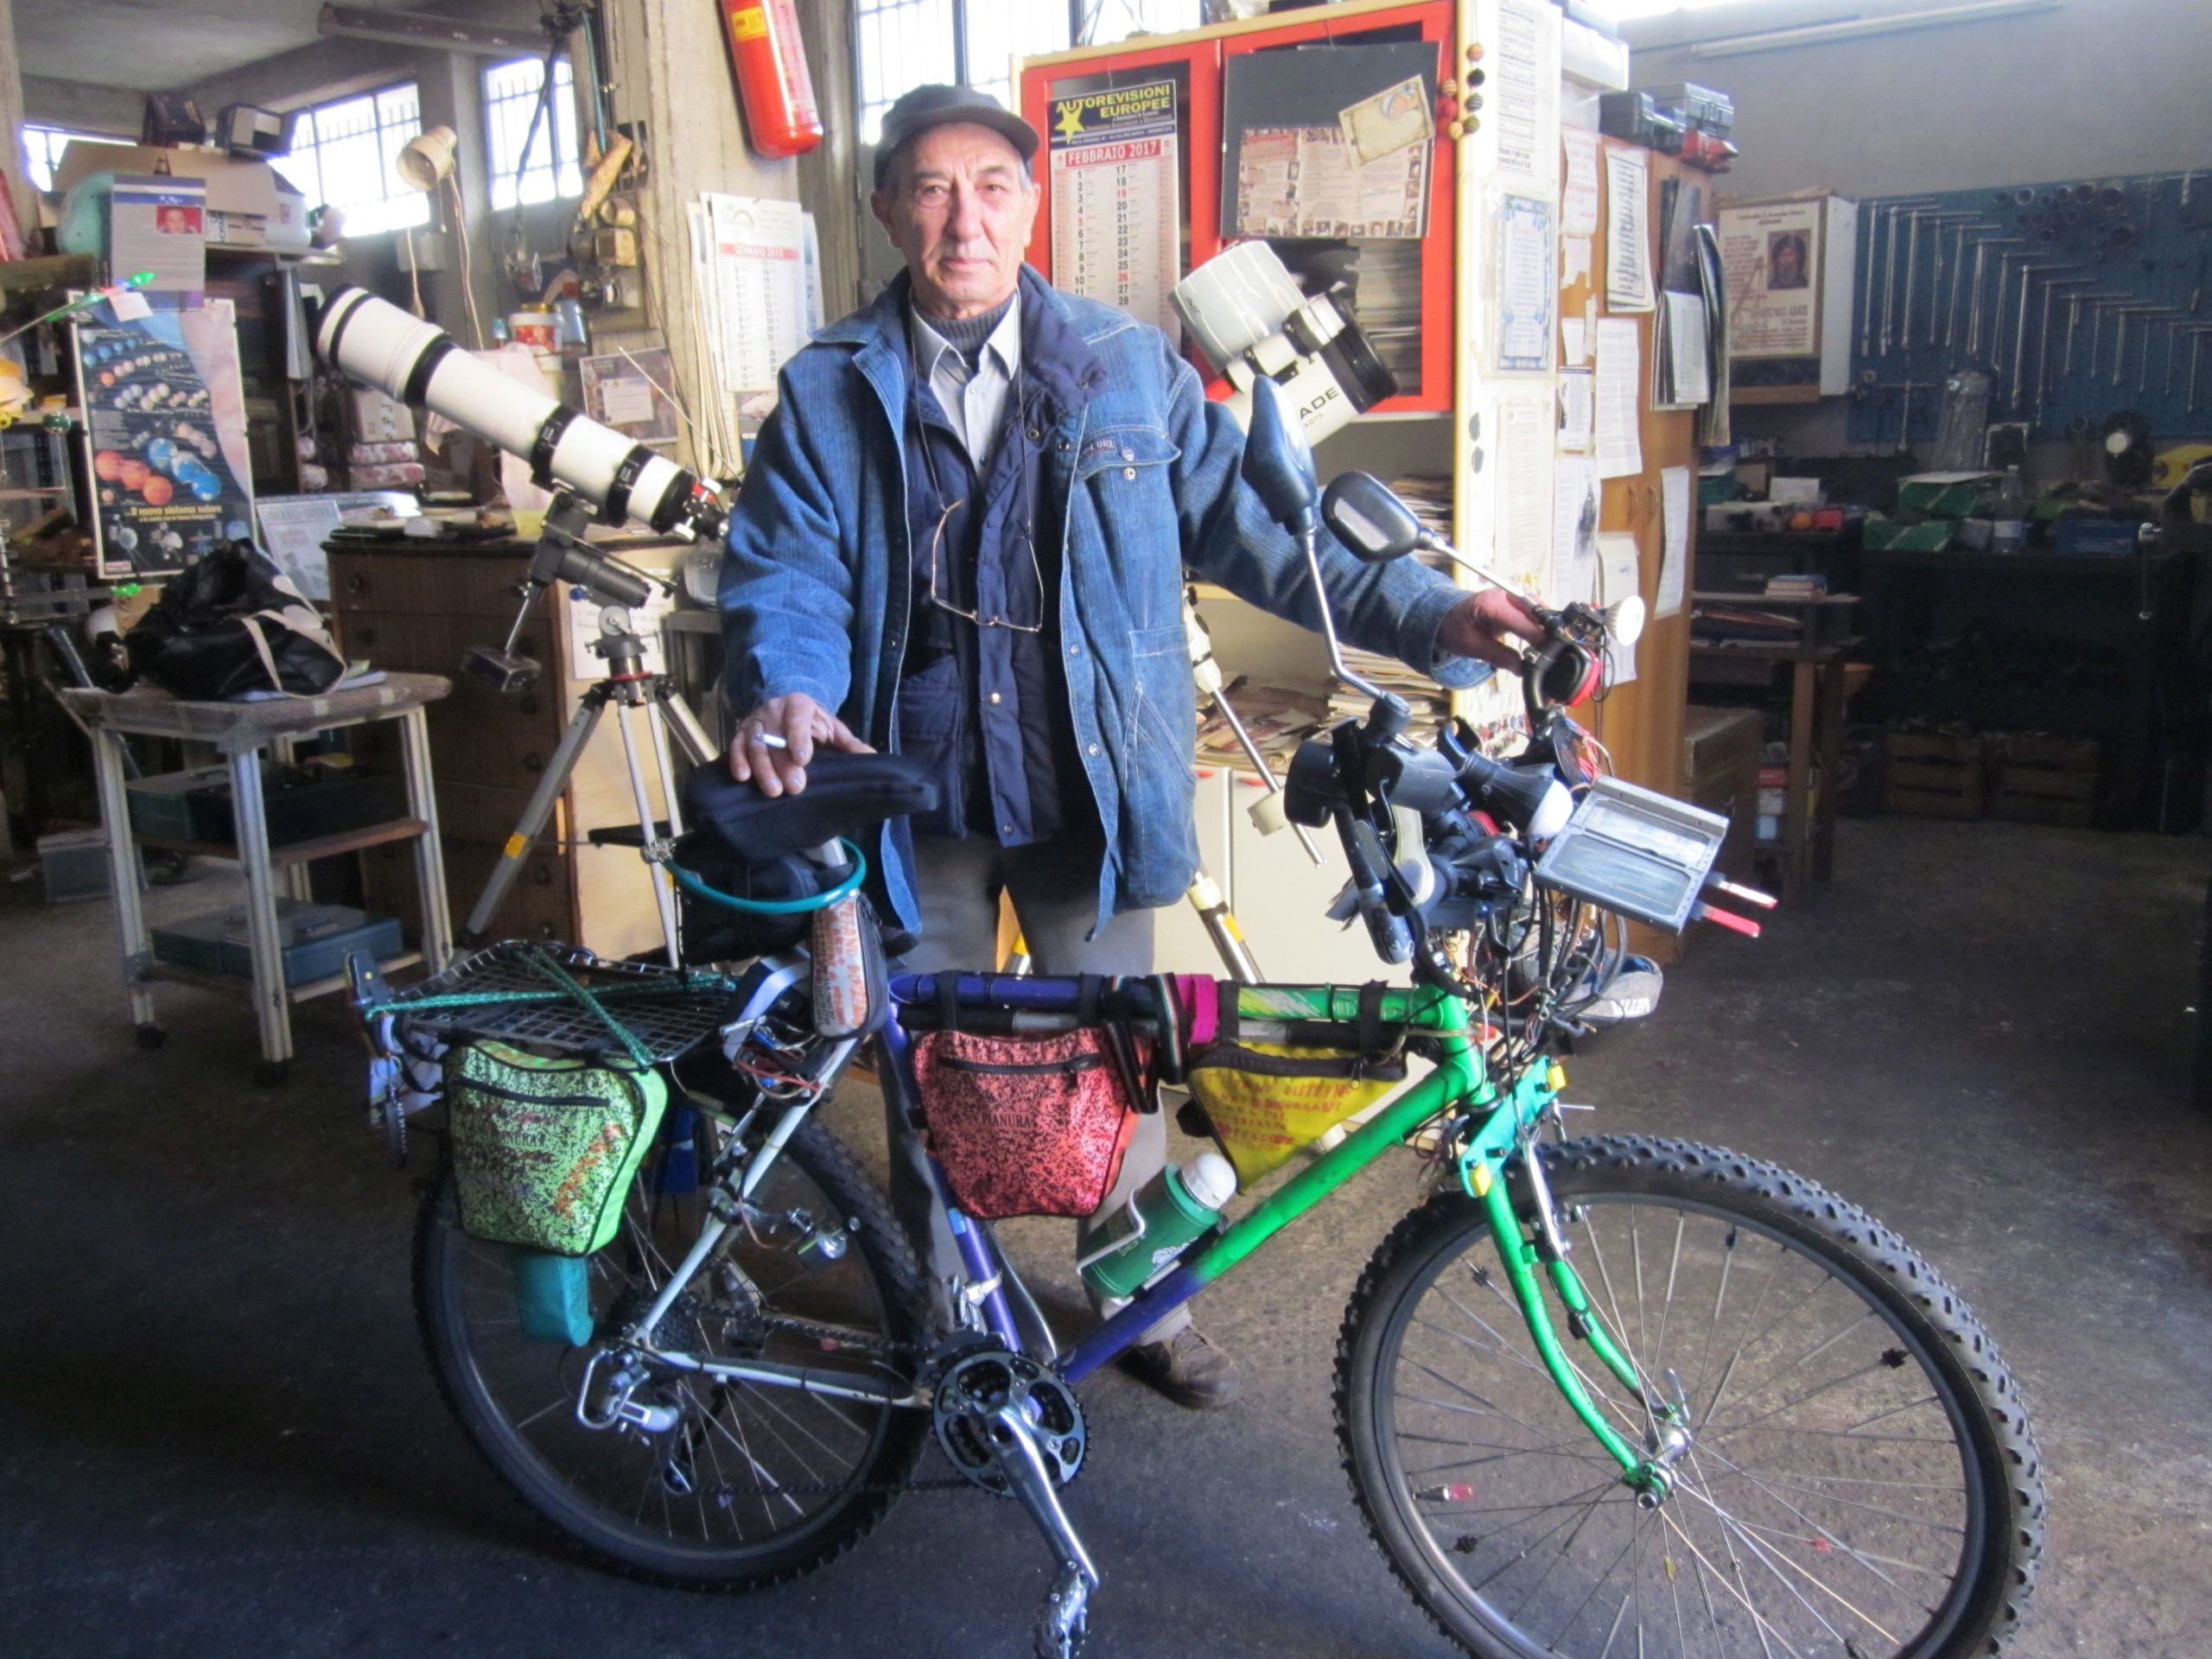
point(165, 418)
point(1771, 253)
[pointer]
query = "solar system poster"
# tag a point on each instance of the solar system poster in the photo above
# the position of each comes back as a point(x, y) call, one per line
point(165, 414)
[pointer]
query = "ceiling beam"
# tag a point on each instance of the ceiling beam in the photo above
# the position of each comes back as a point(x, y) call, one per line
point(420, 28)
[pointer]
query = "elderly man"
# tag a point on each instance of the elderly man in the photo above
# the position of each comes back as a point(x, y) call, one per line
point(962, 536)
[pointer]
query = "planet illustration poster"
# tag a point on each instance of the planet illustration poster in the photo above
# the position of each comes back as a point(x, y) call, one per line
point(165, 418)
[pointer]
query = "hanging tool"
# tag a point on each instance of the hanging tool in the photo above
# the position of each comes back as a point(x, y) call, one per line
point(1958, 269)
point(1981, 271)
point(1924, 216)
point(2073, 321)
point(1889, 261)
point(2196, 331)
point(2119, 351)
point(2042, 338)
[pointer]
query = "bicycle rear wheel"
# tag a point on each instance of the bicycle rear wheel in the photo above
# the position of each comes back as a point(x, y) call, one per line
point(1862, 1480)
point(752, 1484)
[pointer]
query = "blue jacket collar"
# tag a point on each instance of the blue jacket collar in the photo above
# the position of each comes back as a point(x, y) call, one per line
point(1056, 355)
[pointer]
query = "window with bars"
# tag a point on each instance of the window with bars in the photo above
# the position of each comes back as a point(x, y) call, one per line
point(42, 148)
point(903, 44)
point(511, 94)
point(344, 155)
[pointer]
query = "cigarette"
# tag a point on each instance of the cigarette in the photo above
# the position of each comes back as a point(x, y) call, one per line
point(769, 740)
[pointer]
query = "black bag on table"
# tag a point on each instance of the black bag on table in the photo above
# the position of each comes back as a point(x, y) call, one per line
point(234, 623)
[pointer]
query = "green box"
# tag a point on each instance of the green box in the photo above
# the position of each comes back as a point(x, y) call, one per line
point(1949, 495)
point(1881, 534)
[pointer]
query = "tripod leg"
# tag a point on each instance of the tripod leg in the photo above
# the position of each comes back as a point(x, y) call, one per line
point(1221, 927)
point(663, 892)
point(542, 802)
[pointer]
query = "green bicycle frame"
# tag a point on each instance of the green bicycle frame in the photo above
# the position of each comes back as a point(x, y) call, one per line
point(1460, 1075)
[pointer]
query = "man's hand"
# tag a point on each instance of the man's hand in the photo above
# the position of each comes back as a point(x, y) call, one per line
point(1479, 625)
point(779, 767)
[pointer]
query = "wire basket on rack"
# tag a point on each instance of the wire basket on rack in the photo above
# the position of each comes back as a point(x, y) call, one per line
point(505, 991)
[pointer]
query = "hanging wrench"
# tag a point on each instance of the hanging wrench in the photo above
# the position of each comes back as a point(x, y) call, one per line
point(1980, 270)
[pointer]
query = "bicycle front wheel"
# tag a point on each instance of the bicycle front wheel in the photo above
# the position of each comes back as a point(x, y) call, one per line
point(751, 1483)
point(1861, 1480)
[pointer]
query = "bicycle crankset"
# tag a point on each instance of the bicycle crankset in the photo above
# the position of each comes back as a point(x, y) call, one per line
point(965, 1413)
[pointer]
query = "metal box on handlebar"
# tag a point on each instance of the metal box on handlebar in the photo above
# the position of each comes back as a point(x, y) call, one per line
point(1635, 851)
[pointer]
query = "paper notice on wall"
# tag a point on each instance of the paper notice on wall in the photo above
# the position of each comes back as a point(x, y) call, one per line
point(1300, 182)
point(1117, 199)
point(1578, 201)
point(1578, 409)
point(1770, 254)
point(1619, 395)
point(1528, 285)
point(1574, 341)
point(1574, 530)
point(1524, 86)
point(1618, 578)
point(1674, 557)
point(1628, 230)
point(1574, 256)
point(1689, 350)
point(1522, 537)
point(758, 251)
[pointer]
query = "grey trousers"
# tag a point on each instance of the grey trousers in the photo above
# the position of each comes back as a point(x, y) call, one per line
point(1054, 888)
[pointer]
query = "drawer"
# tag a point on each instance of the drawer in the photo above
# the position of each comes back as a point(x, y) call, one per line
point(434, 644)
point(540, 906)
point(426, 584)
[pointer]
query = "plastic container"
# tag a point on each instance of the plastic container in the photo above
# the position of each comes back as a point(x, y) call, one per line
point(315, 940)
point(1142, 1240)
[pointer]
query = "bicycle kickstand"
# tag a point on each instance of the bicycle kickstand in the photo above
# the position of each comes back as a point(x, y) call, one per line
point(1060, 1624)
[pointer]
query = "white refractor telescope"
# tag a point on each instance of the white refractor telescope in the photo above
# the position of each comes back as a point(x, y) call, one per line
point(379, 344)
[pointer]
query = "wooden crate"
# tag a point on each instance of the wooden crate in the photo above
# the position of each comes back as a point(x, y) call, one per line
point(1933, 775)
point(2044, 780)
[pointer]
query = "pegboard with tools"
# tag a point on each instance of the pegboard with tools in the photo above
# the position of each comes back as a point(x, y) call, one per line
point(2086, 302)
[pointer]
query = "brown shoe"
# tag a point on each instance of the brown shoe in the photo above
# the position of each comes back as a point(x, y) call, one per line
point(1187, 1368)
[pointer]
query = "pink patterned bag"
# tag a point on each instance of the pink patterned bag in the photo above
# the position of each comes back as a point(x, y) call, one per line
point(1025, 1126)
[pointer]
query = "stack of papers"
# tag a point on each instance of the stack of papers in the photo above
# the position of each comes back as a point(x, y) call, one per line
point(1278, 718)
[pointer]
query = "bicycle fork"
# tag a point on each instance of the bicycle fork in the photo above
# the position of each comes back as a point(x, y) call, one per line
point(1511, 1134)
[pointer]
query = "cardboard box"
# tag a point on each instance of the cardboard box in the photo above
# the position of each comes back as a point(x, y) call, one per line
point(249, 205)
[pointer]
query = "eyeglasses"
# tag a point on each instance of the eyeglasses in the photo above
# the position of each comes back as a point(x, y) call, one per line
point(1037, 571)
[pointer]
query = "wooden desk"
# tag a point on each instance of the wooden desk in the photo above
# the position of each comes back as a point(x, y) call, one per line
point(1815, 689)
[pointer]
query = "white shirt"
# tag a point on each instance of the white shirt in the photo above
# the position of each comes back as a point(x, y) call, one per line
point(973, 404)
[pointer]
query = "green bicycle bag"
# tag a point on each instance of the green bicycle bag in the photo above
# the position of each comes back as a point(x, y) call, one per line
point(545, 1150)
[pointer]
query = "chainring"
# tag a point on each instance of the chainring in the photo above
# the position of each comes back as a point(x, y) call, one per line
point(978, 1384)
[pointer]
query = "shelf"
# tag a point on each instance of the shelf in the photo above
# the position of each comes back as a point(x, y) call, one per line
point(298, 852)
point(238, 982)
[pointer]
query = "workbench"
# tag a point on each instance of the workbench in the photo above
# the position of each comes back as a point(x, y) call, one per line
point(240, 732)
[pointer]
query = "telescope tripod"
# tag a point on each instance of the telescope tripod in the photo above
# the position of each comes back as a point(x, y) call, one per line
point(628, 685)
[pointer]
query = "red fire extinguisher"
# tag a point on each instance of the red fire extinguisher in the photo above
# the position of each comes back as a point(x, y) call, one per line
point(772, 79)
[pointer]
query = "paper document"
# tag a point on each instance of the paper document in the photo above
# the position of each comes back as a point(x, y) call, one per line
point(1524, 85)
point(1674, 557)
point(1389, 121)
point(1618, 578)
point(1578, 202)
point(1573, 342)
point(1619, 392)
point(1628, 231)
point(1578, 409)
point(1574, 530)
point(1523, 537)
point(1527, 286)
point(1688, 365)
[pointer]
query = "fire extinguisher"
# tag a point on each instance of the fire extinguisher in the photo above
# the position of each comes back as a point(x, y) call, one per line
point(772, 79)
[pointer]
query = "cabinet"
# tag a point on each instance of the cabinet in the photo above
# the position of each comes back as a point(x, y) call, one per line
point(402, 608)
point(1491, 433)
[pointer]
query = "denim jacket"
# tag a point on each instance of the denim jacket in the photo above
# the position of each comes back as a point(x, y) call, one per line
point(816, 580)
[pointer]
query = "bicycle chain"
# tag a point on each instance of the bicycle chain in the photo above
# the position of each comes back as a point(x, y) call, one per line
point(790, 1325)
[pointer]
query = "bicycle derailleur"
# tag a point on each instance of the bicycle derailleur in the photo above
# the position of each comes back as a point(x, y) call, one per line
point(1015, 1429)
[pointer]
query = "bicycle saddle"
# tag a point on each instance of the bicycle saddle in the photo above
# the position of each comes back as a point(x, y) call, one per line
point(845, 794)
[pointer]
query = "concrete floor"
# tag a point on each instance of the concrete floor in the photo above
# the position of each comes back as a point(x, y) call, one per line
point(221, 1439)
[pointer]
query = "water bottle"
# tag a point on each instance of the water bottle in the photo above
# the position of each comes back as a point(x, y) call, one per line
point(1148, 1233)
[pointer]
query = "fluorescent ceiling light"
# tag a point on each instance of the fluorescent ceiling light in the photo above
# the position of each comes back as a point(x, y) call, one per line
point(1777, 40)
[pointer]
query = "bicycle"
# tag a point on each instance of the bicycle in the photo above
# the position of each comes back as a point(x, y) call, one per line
point(1759, 1425)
